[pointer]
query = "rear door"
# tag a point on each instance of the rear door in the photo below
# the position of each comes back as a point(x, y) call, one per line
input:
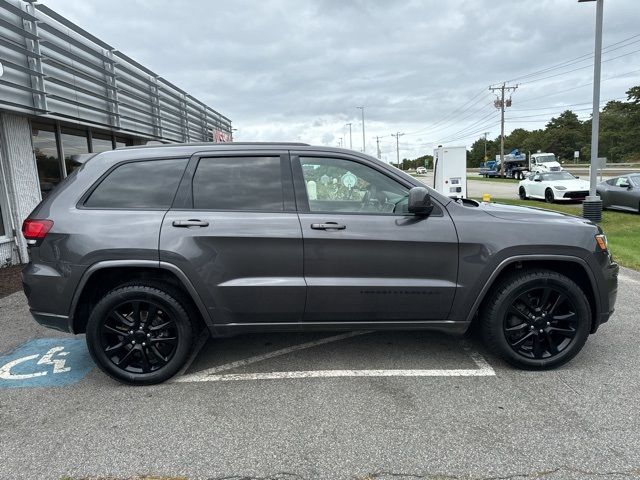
point(234, 231)
point(365, 258)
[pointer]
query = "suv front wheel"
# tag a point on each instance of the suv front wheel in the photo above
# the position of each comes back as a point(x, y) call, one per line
point(536, 319)
point(140, 333)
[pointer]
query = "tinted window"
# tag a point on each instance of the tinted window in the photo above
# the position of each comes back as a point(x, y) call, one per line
point(149, 184)
point(238, 183)
point(336, 185)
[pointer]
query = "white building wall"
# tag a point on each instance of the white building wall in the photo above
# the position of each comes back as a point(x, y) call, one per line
point(21, 177)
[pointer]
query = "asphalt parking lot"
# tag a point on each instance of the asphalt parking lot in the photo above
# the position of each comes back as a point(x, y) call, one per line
point(355, 405)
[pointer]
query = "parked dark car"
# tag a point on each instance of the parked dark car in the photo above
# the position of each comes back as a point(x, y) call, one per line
point(621, 193)
point(143, 247)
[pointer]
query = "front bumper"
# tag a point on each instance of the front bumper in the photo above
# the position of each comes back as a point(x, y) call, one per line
point(611, 284)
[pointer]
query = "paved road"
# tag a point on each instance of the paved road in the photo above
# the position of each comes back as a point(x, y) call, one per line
point(468, 415)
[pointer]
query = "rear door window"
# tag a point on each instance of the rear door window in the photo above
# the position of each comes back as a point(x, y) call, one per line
point(251, 184)
point(149, 184)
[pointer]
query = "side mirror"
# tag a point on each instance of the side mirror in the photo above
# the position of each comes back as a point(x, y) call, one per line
point(625, 185)
point(420, 201)
point(537, 179)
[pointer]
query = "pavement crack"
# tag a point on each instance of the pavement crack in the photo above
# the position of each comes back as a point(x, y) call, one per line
point(382, 475)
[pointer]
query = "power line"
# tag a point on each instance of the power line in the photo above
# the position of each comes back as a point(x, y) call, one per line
point(579, 68)
point(574, 60)
point(577, 86)
point(461, 109)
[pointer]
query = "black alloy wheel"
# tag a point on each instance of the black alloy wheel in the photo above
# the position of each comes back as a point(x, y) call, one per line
point(536, 319)
point(541, 323)
point(139, 336)
point(141, 333)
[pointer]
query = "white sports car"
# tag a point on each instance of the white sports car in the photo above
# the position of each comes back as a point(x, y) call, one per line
point(553, 186)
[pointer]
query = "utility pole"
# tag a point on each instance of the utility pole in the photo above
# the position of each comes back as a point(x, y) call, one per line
point(501, 104)
point(364, 148)
point(485, 145)
point(378, 147)
point(592, 205)
point(350, 138)
point(398, 135)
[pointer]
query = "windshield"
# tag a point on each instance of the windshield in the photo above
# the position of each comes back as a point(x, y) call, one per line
point(546, 158)
point(635, 179)
point(558, 176)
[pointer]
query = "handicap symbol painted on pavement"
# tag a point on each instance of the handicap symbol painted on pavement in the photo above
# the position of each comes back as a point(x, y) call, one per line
point(45, 362)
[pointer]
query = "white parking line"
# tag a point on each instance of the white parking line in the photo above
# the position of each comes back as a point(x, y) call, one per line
point(213, 374)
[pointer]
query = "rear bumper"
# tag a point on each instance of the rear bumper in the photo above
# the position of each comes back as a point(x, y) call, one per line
point(54, 321)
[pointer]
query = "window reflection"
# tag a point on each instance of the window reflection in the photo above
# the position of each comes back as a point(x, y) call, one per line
point(47, 159)
point(100, 143)
point(74, 142)
point(2, 231)
point(123, 142)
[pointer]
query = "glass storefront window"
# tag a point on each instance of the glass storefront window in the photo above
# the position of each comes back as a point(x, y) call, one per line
point(2, 230)
point(123, 142)
point(45, 150)
point(74, 142)
point(101, 142)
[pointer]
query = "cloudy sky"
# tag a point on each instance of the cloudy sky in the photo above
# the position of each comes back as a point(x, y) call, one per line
point(296, 69)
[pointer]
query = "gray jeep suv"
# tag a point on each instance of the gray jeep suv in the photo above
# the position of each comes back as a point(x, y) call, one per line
point(141, 248)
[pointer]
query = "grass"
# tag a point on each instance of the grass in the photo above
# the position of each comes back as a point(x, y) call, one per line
point(622, 229)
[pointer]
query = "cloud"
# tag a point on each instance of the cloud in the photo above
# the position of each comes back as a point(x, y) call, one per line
point(288, 70)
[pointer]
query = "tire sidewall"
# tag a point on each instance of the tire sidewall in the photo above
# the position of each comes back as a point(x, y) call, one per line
point(143, 293)
point(551, 198)
point(522, 193)
point(572, 291)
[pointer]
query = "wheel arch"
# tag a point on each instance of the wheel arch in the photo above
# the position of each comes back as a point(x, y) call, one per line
point(574, 268)
point(104, 276)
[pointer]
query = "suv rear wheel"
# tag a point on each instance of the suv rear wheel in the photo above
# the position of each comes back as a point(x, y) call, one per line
point(140, 333)
point(536, 319)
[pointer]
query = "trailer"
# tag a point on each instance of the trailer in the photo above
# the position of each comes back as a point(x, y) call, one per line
point(515, 166)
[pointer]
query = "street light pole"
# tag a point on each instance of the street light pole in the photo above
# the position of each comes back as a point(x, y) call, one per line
point(592, 205)
point(364, 148)
point(350, 138)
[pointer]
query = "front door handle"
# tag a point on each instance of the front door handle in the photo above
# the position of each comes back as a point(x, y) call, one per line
point(192, 222)
point(328, 226)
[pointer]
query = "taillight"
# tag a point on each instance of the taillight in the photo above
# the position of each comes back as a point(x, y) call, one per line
point(35, 230)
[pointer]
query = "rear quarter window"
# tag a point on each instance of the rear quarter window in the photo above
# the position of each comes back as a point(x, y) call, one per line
point(148, 184)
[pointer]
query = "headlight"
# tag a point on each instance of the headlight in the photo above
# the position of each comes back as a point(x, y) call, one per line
point(559, 187)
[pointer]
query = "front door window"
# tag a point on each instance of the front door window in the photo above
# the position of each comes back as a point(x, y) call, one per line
point(335, 185)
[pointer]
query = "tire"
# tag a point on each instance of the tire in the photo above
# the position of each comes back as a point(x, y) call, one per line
point(558, 330)
point(548, 196)
point(128, 346)
point(522, 193)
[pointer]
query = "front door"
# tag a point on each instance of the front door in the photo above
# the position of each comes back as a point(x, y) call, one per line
point(234, 231)
point(365, 257)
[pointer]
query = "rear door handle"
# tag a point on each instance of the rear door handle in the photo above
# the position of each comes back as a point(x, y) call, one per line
point(328, 226)
point(192, 222)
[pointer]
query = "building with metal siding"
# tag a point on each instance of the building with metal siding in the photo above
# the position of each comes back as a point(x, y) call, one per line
point(64, 92)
